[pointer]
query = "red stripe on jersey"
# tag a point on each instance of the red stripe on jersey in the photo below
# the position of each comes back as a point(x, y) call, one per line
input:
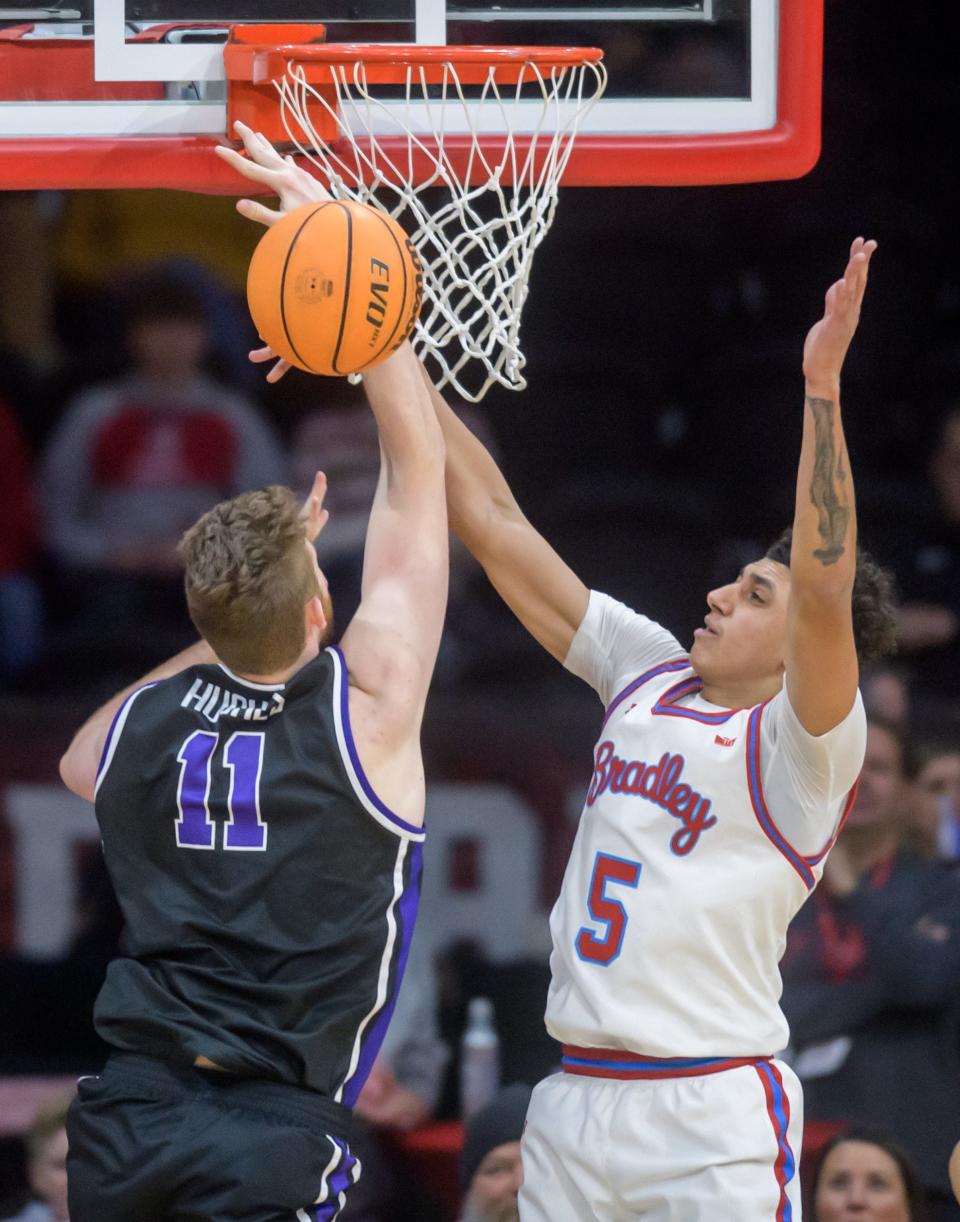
point(784, 1166)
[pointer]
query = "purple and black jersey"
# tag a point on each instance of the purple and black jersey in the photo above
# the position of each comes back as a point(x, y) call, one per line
point(268, 895)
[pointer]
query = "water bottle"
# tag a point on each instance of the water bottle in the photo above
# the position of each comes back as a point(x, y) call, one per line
point(479, 1058)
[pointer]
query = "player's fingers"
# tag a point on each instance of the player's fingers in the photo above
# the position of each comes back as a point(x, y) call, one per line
point(830, 299)
point(320, 486)
point(258, 212)
point(859, 270)
point(258, 146)
point(277, 372)
point(259, 355)
point(244, 165)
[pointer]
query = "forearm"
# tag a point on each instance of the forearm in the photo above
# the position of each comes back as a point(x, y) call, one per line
point(477, 492)
point(78, 766)
point(823, 557)
point(410, 435)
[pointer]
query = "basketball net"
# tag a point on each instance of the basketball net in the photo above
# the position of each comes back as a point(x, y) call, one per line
point(476, 205)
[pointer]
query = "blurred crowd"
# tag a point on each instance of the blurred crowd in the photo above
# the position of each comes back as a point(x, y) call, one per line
point(656, 447)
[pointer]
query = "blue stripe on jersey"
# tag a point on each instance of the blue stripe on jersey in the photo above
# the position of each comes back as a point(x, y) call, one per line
point(759, 805)
point(689, 687)
point(355, 759)
point(778, 1108)
point(405, 909)
point(344, 1174)
point(676, 664)
point(691, 1063)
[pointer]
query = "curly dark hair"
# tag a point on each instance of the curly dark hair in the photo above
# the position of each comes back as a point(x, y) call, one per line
point(874, 601)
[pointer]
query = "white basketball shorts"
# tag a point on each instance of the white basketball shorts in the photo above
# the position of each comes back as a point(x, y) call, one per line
point(664, 1141)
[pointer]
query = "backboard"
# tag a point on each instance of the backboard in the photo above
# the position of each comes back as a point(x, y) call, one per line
point(121, 93)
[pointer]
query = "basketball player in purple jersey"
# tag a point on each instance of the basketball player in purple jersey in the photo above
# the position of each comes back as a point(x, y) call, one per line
point(721, 780)
point(260, 799)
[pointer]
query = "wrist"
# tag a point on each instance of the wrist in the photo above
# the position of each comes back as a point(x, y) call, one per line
point(822, 388)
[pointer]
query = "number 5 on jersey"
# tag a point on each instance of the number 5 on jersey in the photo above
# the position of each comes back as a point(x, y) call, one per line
point(607, 871)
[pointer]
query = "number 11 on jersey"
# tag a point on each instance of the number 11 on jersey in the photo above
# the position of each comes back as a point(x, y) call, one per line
point(243, 758)
point(612, 871)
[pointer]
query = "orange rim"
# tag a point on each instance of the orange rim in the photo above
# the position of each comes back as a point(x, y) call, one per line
point(414, 53)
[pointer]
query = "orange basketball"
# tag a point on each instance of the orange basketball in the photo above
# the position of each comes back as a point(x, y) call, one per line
point(334, 287)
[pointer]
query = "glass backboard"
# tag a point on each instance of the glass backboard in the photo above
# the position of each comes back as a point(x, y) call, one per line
point(132, 92)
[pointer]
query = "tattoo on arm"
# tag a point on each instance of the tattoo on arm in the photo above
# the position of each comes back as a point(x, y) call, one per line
point(825, 493)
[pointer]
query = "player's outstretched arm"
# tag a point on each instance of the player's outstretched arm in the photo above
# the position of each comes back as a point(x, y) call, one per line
point(539, 587)
point(81, 761)
point(392, 641)
point(541, 590)
point(821, 662)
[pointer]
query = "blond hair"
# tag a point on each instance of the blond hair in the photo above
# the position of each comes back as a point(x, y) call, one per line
point(248, 577)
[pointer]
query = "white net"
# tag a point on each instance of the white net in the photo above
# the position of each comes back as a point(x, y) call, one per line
point(477, 193)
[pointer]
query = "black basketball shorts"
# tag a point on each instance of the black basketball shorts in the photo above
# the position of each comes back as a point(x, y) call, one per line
point(155, 1142)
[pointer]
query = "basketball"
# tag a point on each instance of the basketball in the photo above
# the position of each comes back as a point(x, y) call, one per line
point(334, 287)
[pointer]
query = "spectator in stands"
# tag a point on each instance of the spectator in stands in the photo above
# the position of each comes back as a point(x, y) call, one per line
point(936, 805)
point(928, 572)
point(886, 693)
point(863, 1175)
point(490, 1169)
point(21, 614)
point(47, 1166)
point(872, 979)
point(400, 1094)
point(135, 461)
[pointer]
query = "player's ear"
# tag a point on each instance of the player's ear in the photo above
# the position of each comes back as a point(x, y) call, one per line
point(315, 616)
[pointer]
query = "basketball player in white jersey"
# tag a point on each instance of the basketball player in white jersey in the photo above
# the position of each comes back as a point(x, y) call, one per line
point(721, 778)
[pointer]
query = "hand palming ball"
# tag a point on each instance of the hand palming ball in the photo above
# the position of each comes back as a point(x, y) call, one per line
point(334, 287)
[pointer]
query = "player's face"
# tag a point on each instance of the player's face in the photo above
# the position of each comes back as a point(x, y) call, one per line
point(936, 790)
point(880, 796)
point(495, 1186)
point(860, 1182)
point(745, 629)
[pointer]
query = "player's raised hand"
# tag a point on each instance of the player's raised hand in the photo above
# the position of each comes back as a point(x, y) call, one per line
point(828, 340)
point(292, 185)
point(266, 353)
point(313, 515)
point(263, 164)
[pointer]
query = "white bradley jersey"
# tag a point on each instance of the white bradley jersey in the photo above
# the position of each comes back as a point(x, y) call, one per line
point(703, 832)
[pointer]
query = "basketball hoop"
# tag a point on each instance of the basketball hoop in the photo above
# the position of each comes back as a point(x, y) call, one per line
point(469, 164)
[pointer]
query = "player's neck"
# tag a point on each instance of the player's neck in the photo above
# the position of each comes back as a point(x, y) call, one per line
point(310, 651)
point(733, 695)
